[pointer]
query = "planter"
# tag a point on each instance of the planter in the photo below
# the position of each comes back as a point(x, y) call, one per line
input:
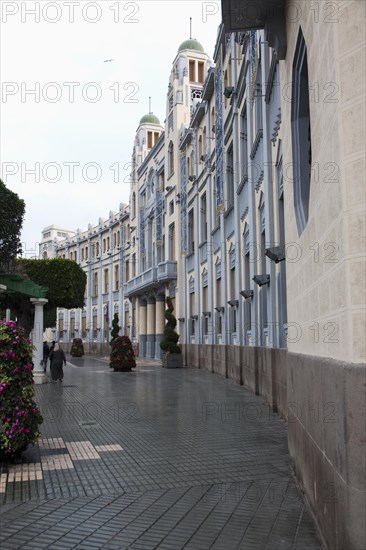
point(172, 360)
point(122, 369)
point(77, 348)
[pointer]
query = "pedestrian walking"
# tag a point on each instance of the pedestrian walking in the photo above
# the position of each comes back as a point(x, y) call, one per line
point(57, 360)
point(46, 352)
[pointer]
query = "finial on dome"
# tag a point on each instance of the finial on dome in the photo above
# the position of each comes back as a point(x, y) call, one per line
point(190, 28)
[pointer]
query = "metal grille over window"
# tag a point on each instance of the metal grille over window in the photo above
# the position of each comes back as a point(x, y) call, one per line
point(159, 203)
point(219, 180)
point(142, 230)
point(183, 204)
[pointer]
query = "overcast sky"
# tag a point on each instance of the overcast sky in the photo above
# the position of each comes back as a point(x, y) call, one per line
point(85, 111)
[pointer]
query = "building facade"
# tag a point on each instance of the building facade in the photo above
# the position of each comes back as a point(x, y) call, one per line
point(247, 207)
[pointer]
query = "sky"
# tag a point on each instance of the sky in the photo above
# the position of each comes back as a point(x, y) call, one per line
point(68, 118)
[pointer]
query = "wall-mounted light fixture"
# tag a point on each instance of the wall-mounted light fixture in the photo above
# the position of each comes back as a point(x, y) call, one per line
point(228, 92)
point(192, 178)
point(276, 254)
point(261, 280)
point(220, 309)
point(247, 294)
point(233, 303)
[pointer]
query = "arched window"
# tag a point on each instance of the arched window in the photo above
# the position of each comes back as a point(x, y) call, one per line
point(103, 245)
point(133, 204)
point(301, 133)
point(200, 147)
point(170, 159)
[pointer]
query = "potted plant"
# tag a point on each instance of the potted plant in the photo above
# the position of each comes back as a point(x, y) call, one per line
point(172, 356)
point(122, 356)
point(19, 415)
point(77, 348)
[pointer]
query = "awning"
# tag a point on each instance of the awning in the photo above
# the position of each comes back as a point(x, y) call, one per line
point(16, 284)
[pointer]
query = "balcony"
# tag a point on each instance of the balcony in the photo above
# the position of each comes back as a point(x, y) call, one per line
point(167, 271)
point(143, 282)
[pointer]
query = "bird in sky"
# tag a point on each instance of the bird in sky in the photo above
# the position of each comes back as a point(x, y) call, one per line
point(108, 60)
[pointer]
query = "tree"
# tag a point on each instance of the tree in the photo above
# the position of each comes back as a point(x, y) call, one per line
point(12, 210)
point(65, 281)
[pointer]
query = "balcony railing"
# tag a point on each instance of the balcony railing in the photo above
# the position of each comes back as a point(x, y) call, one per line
point(167, 271)
point(145, 281)
point(151, 278)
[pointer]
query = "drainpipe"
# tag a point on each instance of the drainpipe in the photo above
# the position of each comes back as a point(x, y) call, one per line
point(268, 206)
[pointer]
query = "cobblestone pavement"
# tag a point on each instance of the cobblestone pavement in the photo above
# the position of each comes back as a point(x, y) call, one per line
point(155, 458)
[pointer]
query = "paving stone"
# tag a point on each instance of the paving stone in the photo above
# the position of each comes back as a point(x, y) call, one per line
point(180, 481)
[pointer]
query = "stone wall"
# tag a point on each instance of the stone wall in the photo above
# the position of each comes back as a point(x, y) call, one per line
point(262, 370)
point(326, 437)
point(323, 401)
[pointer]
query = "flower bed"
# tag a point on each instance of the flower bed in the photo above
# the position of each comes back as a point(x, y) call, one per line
point(19, 414)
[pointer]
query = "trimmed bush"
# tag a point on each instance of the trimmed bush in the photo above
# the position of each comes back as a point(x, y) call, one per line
point(169, 343)
point(115, 328)
point(19, 414)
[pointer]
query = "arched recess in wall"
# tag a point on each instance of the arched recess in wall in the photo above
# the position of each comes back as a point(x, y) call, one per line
point(301, 133)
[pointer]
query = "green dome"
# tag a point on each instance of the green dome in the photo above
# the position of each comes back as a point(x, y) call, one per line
point(191, 44)
point(150, 119)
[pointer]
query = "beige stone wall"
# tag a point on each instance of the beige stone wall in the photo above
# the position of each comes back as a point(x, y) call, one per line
point(326, 283)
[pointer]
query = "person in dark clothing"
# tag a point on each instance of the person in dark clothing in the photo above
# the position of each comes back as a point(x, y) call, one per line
point(46, 351)
point(51, 348)
point(57, 360)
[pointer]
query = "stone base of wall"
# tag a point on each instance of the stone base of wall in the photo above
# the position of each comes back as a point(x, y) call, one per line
point(262, 370)
point(323, 401)
point(326, 436)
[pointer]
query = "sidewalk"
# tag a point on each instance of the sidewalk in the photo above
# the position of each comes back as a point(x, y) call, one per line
point(154, 458)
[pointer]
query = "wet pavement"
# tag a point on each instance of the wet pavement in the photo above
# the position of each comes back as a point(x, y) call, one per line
point(154, 458)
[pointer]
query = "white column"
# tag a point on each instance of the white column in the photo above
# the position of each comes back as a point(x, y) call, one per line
point(159, 323)
point(37, 340)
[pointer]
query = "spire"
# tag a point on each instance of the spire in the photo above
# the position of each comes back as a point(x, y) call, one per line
point(190, 28)
point(150, 111)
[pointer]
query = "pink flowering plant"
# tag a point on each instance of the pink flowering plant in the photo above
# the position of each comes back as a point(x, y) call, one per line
point(19, 415)
point(122, 356)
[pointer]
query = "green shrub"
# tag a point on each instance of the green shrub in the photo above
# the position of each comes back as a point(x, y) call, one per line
point(115, 328)
point(169, 343)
